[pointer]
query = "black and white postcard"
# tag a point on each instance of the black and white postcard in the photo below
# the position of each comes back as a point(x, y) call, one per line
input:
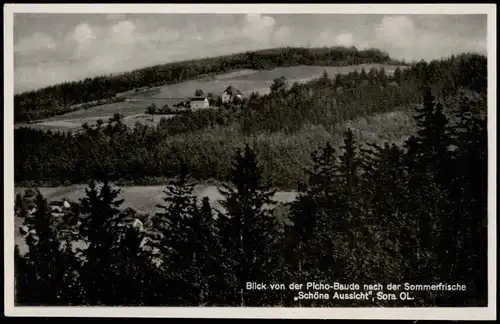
point(270, 161)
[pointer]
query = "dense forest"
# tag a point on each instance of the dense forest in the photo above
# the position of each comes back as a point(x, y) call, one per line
point(284, 128)
point(365, 214)
point(61, 98)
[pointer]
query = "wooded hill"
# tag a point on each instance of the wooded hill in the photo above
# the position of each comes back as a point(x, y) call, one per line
point(59, 99)
point(281, 124)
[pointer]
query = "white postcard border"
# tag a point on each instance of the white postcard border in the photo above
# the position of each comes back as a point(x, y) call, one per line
point(472, 313)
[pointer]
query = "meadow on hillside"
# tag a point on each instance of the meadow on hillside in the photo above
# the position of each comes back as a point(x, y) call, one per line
point(59, 99)
point(246, 81)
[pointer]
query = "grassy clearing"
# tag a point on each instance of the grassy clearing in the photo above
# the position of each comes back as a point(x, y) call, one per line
point(124, 108)
point(141, 198)
point(75, 124)
point(247, 81)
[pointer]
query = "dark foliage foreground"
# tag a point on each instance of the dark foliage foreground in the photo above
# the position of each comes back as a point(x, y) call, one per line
point(386, 214)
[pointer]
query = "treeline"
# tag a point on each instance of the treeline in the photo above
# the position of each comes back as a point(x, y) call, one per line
point(329, 101)
point(135, 154)
point(365, 215)
point(59, 99)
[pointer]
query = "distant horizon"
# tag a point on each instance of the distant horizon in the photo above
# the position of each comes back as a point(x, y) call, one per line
point(52, 48)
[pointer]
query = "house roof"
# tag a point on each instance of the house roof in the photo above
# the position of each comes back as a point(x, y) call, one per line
point(197, 98)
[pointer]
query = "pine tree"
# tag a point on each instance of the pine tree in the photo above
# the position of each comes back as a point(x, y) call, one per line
point(178, 209)
point(397, 74)
point(248, 230)
point(324, 81)
point(382, 77)
point(44, 267)
point(430, 167)
point(312, 235)
point(189, 242)
point(23, 277)
point(384, 186)
point(352, 207)
point(430, 147)
point(100, 220)
point(468, 190)
point(203, 256)
point(136, 278)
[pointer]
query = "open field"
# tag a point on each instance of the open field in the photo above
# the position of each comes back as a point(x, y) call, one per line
point(141, 198)
point(136, 101)
point(73, 124)
point(248, 81)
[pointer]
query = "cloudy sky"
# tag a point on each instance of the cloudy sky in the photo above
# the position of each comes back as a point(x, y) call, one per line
point(51, 48)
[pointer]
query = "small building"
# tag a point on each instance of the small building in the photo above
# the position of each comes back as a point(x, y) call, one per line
point(199, 103)
point(58, 207)
point(226, 97)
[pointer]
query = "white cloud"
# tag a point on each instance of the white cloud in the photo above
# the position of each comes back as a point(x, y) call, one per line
point(123, 32)
point(329, 37)
point(396, 31)
point(80, 41)
point(83, 34)
point(259, 28)
point(38, 41)
point(283, 37)
point(44, 74)
point(399, 36)
point(120, 45)
point(345, 39)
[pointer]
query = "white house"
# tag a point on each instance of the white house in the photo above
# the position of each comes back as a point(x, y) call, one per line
point(58, 207)
point(226, 97)
point(229, 95)
point(199, 103)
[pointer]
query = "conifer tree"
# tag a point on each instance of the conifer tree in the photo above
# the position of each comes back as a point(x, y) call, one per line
point(189, 243)
point(248, 230)
point(23, 277)
point(311, 237)
point(429, 148)
point(384, 186)
point(138, 282)
point(352, 206)
point(382, 77)
point(46, 274)
point(204, 264)
point(324, 81)
point(398, 74)
point(99, 228)
point(467, 218)
point(178, 209)
point(430, 167)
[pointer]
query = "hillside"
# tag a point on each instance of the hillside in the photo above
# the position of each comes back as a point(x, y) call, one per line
point(61, 98)
point(284, 126)
point(132, 104)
